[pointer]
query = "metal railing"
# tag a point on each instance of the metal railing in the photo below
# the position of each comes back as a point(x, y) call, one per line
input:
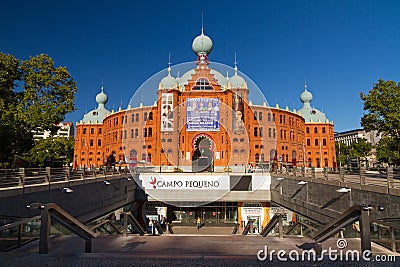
point(23, 177)
point(389, 177)
point(16, 234)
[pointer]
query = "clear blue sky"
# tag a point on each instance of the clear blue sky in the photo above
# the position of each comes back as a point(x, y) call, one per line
point(340, 47)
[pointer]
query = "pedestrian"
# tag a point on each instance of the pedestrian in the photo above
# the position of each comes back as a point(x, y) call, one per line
point(198, 223)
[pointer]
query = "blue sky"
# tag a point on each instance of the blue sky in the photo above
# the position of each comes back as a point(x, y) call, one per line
point(340, 47)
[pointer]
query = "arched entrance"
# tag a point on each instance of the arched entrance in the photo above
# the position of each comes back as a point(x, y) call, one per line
point(203, 153)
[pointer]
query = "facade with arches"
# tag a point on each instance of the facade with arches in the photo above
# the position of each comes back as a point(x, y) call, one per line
point(204, 121)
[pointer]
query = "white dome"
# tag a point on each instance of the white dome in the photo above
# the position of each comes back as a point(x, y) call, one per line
point(202, 44)
point(101, 98)
point(168, 81)
point(306, 96)
point(237, 81)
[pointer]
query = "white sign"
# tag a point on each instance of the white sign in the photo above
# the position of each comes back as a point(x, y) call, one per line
point(155, 181)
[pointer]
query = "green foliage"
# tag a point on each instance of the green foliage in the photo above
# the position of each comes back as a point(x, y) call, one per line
point(382, 106)
point(34, 95)
point(386, 151)
point(361, 148)
point(342, 153)
point(51, 149)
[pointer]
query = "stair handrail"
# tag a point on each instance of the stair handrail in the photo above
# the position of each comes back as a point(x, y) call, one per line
point(52, 210)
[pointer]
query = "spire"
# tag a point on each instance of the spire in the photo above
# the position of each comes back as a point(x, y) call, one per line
point(202, 22)
point(305, 85)
point(235, 62)
point(169, 63)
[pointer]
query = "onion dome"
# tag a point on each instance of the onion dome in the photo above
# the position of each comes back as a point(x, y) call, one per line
point(237, 81)
point(306, 96)
point(310, 114)
point(168, 81)
point(97, 115)
point(101, 98)
point(202, 44)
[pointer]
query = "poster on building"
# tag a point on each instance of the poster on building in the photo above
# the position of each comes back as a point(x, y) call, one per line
point(202, 114)
point(238, 113)
point(167, 115)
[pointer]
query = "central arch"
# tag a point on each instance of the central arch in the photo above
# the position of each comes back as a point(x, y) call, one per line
point(203, 153)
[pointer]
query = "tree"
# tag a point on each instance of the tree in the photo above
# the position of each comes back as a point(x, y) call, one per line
point(51, 150)
point(35, 95)
point(360, 148)
point(386, 151)
point(381, 104)
point(342, 153)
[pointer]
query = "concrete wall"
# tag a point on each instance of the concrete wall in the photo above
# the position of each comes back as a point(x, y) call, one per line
point(319, 200)
point(90, 198)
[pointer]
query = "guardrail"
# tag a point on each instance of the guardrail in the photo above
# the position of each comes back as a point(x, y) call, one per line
point(33, 176)
point(389, 177)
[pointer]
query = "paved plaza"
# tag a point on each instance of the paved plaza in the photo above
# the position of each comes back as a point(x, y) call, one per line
point(180, 250)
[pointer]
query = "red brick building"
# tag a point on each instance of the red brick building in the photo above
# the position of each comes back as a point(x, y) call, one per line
point(204, 121)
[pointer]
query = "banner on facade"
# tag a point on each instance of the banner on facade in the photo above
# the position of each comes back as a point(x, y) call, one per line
point(202, 114)
point(167, 115)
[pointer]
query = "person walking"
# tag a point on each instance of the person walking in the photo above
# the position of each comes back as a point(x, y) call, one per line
point(198, 223)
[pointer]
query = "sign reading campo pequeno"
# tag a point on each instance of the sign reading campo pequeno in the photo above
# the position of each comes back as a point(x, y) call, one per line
point(183, 182)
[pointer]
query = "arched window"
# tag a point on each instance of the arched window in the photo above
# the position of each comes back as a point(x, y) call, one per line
point(150, 133)
point(316, 142)
point(136, 133)
point(143, 156)
point(255, 115)
point(145, 132)
point(257, 157)
point(323, 130)
point(91, 142)
point(307, 130)
point(269, 131)
point(235, 140)
point(91, 130)
point(137, 117)
point(84, 130)
point(255, 131)
point(99, 142)
point(150, 116)
point(235, 151)
point(100, 130)
point(269, 116)
point(315, 130)
point(149, 157)
point(261, 131)
point(202, 84)
point(145, 116)
point(260, 116)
